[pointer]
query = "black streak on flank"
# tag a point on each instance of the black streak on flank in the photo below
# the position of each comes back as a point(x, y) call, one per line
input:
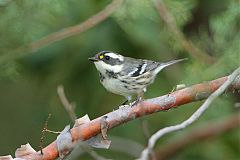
point(125, 86)
point(123, 81)
point(142, 83)
point(111, 74)
point(135, 88)
point(101, 77)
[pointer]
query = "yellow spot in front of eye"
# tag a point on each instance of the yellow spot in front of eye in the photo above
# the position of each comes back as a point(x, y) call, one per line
point(101, 57)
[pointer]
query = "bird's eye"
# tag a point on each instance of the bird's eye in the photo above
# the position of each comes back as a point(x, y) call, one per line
point(101, 57)
point(107, 57)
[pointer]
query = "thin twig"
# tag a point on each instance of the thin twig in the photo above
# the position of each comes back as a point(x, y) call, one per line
point(43, 133)
point(96, 156)
point(70, 108)
point(144, 125)
point(146, 133)
point(44, 130)
point(168, 18)
point(67, 105)
point(119, 144)
point(63, 33)
point(50, 131)
point(155, 137)
point(211, 130)
point(81, 148)
point(73, 30)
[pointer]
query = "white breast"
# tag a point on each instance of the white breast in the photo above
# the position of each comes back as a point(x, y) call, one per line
point(115, 86)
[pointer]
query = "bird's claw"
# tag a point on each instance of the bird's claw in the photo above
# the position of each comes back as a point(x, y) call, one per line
point(124, 103)
point(139, 99)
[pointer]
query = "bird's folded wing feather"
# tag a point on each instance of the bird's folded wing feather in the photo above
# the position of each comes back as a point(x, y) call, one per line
point(134, 67)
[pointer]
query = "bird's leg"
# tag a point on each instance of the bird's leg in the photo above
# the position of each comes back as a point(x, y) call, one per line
point(136, 101)
point(174, 88)
point(139, 99)
point(177, 87)
point(128, 100)
point(125, 102)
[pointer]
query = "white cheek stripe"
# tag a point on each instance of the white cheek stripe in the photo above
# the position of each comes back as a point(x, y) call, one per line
point(143, 68)
point(115, 56)
point(102, 67)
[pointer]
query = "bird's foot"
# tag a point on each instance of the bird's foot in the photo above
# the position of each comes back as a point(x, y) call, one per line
point(139, 99)
point(124, 103)
point(177, 87)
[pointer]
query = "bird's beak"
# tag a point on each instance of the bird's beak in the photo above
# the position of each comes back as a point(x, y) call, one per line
point(93, 59)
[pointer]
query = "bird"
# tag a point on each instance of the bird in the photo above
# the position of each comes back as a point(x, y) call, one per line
point(127, 76)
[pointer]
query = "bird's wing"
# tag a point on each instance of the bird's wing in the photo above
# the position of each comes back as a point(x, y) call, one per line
point(135, 67)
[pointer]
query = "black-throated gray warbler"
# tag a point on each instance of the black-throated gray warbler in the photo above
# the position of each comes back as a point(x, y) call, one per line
point(127, 76)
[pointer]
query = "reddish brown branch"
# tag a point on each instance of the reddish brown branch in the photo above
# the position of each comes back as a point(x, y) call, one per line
point(124, 114)
point(204, 133)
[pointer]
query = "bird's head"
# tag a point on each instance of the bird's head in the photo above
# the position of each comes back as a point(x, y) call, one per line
point(108, 61)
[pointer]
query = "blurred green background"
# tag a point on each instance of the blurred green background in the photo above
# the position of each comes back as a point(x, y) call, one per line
point(28, 81)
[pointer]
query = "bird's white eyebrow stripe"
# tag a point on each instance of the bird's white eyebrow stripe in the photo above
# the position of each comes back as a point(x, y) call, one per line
point(143, 68)
point(115, 56)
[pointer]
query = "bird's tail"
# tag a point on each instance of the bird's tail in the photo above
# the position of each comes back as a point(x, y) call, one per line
point(165, 64)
